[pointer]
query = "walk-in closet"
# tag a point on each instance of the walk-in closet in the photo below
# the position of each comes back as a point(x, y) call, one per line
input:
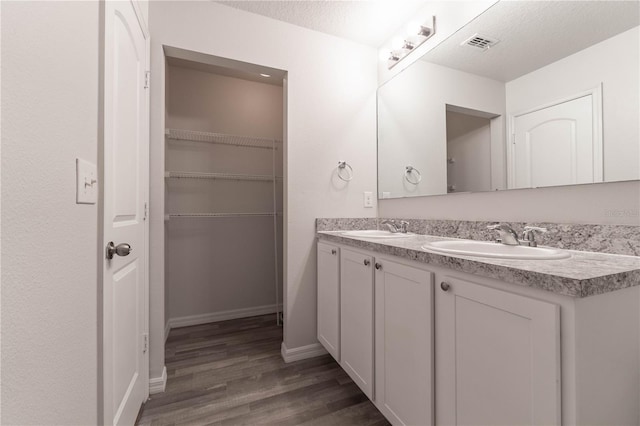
point(224, 193)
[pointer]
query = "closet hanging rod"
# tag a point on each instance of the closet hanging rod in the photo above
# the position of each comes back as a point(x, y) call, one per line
point(222, 176)
point(222, 139)
point(210, 215)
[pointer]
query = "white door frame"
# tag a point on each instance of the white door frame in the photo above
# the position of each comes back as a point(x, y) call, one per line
point(102, 347)
point(598, 156)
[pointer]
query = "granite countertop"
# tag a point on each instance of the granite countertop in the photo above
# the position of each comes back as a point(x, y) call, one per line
point(583, 274)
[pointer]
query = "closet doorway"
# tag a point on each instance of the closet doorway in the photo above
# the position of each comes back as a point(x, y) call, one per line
point(224, 189)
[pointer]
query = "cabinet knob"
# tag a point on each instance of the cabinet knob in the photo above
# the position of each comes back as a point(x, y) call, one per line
point(378, 266)
point(333, 251)
point(445, 286)
point(367, 262)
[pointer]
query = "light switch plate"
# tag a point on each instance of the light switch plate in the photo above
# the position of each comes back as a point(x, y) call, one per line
point(86, 182)
point(368, 199)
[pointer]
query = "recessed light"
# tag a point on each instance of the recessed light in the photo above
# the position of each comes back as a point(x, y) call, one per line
point(265, 75)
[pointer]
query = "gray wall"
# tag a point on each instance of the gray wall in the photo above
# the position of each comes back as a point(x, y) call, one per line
point(603, 203)
point(330, 100)
point(207, 258)
point(50, 64)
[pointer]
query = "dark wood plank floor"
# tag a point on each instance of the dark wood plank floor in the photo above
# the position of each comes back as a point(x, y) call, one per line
point(231, 373)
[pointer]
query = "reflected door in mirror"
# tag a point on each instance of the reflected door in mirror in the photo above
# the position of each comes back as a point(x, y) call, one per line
point(556, 145)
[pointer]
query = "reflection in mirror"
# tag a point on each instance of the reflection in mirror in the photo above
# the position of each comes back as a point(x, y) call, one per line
point(468, 149)
point(553, 101)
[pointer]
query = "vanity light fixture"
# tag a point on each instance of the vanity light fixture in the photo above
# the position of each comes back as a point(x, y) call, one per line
point(415, 38)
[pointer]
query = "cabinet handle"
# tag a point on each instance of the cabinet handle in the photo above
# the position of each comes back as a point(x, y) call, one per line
point(367, 262)
point(378, 266)
point(333, 251)
point(445, 286)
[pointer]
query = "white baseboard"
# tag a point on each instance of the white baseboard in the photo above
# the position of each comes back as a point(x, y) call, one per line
point(302, 352)
point(167, 329)
point(221, 316)
point(158, 384)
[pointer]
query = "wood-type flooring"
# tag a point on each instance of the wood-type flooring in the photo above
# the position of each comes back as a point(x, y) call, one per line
point(232, 373)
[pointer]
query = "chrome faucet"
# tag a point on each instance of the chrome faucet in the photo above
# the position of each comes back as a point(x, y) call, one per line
point(507, 235)
point(390, 225)
point(393, 228)
point(528, 235)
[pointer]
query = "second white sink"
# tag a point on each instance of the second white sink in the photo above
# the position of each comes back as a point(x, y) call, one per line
point(495, 250)
point(377, 233)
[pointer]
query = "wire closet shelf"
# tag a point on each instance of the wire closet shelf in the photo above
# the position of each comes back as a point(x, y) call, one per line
point(222, 139)
point(221, 176)
point(219, 215)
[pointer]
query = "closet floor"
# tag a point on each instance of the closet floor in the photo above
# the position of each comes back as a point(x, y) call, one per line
point(232, 373)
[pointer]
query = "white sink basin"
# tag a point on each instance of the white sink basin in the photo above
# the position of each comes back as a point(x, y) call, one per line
point(376, 233)
point(495, 250)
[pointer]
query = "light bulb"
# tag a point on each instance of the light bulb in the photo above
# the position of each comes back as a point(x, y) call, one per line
point(414, 28)
point(397, 43)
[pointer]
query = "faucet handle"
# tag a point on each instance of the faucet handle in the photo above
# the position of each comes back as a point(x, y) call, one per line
point(507, 235)
point(535, 228)
point(528, 235)
point(403, 226)
point(496, 226)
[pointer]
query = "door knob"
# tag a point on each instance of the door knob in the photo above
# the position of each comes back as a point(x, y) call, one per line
point(445, 286)
point(367, 262)
point(378, 266)
point(121, 249)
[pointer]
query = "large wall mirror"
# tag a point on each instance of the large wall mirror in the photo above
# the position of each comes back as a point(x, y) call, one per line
point(528, 94)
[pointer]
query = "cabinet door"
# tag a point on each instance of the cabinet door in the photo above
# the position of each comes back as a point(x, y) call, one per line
point(498, 357)
point(356, 318)
point(404, 343)
point(329, 298)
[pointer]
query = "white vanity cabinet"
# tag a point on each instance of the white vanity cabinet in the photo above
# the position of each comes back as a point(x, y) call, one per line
point(356, 318)
point(500, 355)
point(404, 343)
point(433, 345)
point(394, 308)
point(329, 298)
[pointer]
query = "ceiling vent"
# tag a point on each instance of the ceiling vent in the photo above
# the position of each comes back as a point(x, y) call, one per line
point(480, 42)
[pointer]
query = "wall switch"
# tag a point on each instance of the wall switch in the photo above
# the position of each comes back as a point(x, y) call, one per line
point(368, 199)
point(86, 182)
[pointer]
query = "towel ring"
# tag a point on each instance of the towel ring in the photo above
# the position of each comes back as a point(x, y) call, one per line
point(342, 165)
point(407, 174)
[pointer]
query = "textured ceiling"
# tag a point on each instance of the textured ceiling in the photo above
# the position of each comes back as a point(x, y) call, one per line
point(533, 34)
point(370, 22)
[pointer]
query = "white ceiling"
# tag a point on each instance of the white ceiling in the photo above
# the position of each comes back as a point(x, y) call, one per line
point(370, 22)
point(533, 34)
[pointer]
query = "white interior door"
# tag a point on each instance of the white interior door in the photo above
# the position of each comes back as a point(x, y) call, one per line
point(125, 355)
point(557, 145)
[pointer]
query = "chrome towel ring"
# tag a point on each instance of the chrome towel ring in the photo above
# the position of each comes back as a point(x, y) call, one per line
point(345, 171)
point(409, 171)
